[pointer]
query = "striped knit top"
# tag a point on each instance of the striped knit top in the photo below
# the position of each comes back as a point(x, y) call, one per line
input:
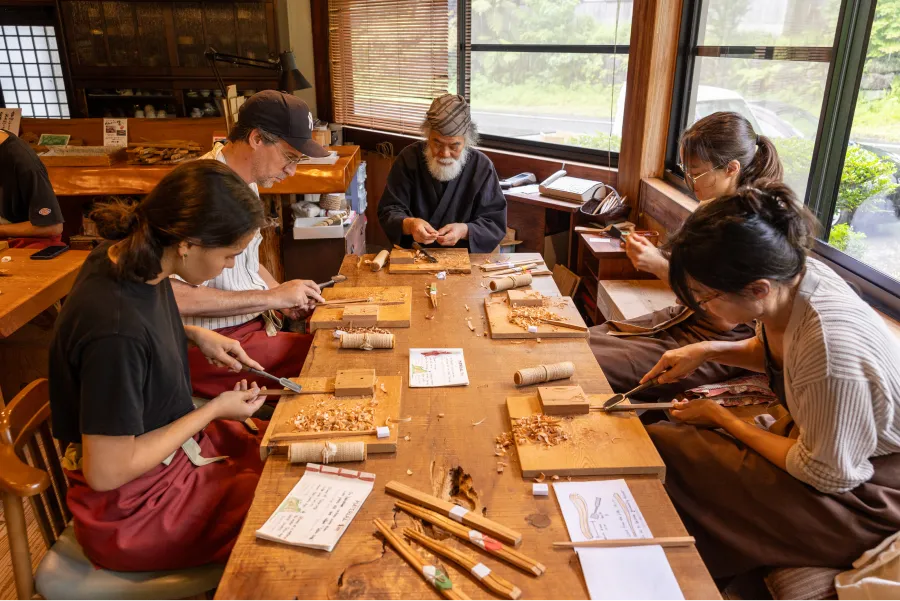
point(842, 380)
point(243, 276)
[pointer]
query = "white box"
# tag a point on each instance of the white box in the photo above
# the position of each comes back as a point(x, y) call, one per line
point(305, 228)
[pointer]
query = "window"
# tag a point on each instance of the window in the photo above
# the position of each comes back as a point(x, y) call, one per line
point(547, 72)
point(31, 72)
point(765, 59)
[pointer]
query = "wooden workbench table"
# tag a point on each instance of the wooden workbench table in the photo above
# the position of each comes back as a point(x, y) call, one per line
point(442, 438)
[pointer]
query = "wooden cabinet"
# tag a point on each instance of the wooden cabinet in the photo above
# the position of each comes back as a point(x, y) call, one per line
point(154, 50)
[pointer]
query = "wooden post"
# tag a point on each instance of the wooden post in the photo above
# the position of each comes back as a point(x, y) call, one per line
point(651, 71)
point(18, 545)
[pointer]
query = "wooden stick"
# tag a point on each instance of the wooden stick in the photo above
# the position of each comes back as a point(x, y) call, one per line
point(491, 581)
point(507, 264)
point(663, 541)
point(417, 563)
point(293, 436)
point(344, 301)
point(634, 407)
point(535, 272)
point(565, 324)
point(521, 269)
point(475, 538)
point(470, 518)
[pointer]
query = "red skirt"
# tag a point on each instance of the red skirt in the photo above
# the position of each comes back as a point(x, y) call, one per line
point(176, 516)
point(281, 355)
point(34, 243)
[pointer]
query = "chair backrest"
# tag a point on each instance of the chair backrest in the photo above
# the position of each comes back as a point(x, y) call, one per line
point(25, 427)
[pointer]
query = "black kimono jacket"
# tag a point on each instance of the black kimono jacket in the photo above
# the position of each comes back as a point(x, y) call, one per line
point(473, 198)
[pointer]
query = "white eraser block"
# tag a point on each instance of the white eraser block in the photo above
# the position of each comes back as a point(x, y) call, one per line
point(532, 329)
point(442, 275)
point(540, 490)
point(382, 431)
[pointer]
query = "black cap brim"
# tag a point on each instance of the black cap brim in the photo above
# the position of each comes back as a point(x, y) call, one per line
point(308, 147)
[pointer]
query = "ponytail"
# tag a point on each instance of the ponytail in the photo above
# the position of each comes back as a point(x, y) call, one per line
point(759, 233)
point(203, 203)
point(723, 137)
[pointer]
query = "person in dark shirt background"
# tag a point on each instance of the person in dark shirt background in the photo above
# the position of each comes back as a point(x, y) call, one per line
point(155, 484)
point(29, 212)
point(443, 190)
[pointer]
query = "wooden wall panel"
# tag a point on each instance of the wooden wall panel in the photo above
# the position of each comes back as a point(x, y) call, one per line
point(663, 207)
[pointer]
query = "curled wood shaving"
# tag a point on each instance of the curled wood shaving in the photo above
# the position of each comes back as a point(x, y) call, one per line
point(382, 387)
point(466, 306)
point(322, 418)
point(469, 323)
point(406, 438)
point(403, 419)
point(540, 478)
point(534, 429)
point(409, 472)
point(500, 466)
point(554, 478)
point(440, 415)
point(530, 316)
point(479, 422)
point(429, 317)
point(538, 339)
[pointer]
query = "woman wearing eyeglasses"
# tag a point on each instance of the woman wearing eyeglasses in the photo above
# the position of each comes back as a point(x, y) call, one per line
point(719, 153)
point(821, 485)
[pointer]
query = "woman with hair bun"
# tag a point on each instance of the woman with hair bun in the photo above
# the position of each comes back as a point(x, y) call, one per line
point(821, 485)
point(155, 484)
point(719, 153)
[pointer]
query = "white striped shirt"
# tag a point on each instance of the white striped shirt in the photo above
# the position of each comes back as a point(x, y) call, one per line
point(842, 381)
point(243, 276)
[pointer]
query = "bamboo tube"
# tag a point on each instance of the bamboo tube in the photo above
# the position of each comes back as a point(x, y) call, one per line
point(544, 373)
point(491, 581)
point(289, 436)
point(326, 452)
point(367, 341)
point(435, 576)
point(378, 262)
point(476, 538)
point(510, 281)
point(664, 541)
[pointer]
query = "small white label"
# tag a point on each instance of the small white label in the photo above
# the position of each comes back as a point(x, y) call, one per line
point(457, 513)
point(510, 264)
point(430, 573)
point(442, 275)
point(477, 538)
point(383, 431)
point(540, 490)
point(339, 333)
point(532, 329)
point(481, 571)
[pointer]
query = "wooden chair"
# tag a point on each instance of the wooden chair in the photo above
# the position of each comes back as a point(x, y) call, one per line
point(65, 571)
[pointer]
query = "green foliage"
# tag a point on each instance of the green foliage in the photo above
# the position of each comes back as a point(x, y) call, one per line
point(885, 37)
point(796, 157)
point(847, 240)
point(865, 175)
point(597, 141)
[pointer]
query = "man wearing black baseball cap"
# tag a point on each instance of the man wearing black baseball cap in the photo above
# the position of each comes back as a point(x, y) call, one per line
point(272, 134)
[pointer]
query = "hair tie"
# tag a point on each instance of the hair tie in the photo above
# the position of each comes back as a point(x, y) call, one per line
point(758, 140)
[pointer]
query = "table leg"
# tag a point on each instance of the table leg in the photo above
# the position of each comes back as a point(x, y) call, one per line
point(571, 239)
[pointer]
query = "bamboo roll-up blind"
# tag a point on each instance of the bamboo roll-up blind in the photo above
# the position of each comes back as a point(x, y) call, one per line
point(389, 59)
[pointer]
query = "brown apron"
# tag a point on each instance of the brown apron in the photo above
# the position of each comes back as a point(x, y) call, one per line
point(747, 513)
point(627, 350)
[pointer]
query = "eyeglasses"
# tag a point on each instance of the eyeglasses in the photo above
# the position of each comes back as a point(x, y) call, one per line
point(712, 297)
point(691, 180)
point(289, 159)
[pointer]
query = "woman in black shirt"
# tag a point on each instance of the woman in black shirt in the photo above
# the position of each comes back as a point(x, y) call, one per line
point(155, 483)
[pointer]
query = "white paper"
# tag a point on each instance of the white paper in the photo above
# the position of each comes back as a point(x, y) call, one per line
point(434, 367)
point(528, 189)
point(115, 132)
point(10, 119)
point(607, 510)
point(330, 159)
point(320, 507)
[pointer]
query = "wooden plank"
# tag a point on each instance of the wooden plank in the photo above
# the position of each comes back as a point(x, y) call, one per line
point(394, 313)
point(388, 406)
point(627, 299)
point(600, 444)
point(451, 260)
point(30, 287)
point(663, 207)
point(446, 456)
point(497, 310)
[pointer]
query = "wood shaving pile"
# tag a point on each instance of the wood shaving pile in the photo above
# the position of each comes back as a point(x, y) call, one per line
point(535, 429)
point(531, 316)
point(360, 416)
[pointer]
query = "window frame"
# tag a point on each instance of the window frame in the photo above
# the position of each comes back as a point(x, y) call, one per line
point(846, 64)
point(605, 158)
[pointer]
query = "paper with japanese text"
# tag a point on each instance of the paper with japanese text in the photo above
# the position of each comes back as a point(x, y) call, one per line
point(434, 367)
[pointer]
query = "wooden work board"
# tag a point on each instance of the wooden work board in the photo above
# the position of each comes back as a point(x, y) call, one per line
point(394, 306)
point(600, 444)
point(497, 308)
point(321, 390)
point(451, 260)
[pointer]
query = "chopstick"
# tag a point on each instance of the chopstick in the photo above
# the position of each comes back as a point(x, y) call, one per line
point(664, 541)
point(474, 537)
point(440, 581)
point(634, 407)
point(491, 581)
point(564, 324)
point(288, 436)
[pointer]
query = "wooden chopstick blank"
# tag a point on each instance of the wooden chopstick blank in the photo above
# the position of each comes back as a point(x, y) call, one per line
point(476, 538)
point(290, 436)
point(662, 541)
point(433, 576)
point(491, 581)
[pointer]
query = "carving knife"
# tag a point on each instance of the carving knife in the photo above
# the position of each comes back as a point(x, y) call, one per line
point(428, 255)
point(621, 398)
point(283, 381)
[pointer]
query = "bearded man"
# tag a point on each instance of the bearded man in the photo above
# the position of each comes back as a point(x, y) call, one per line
point(442, 190)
